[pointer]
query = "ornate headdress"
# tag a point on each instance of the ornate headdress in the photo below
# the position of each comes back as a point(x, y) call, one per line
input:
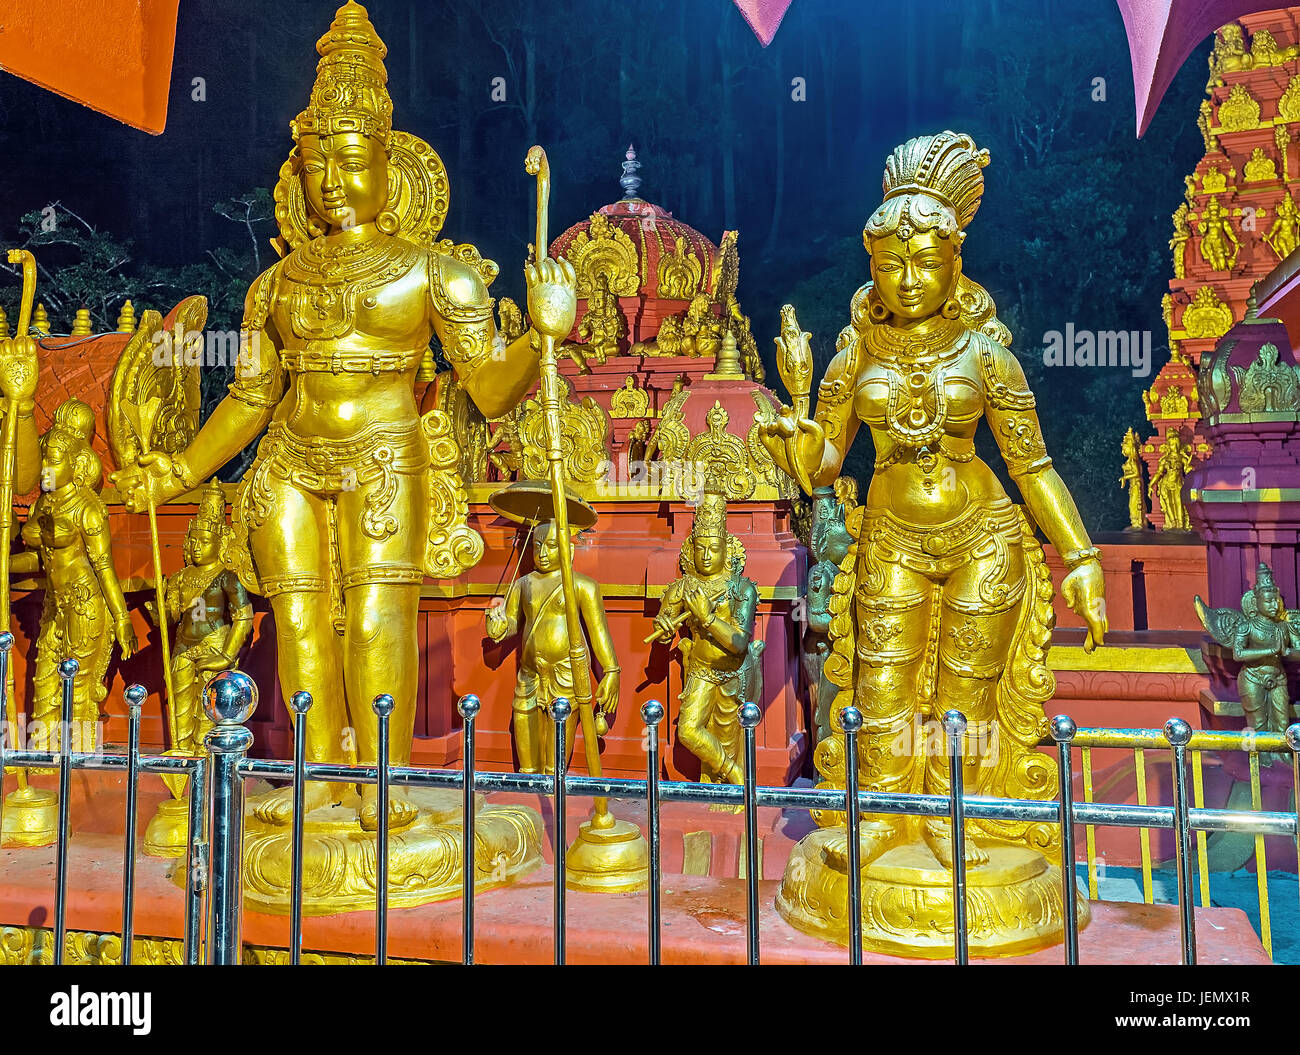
point(930, 183)
point(1264, 577)
point(212, 507)
point(711, 514)
point(350, 93)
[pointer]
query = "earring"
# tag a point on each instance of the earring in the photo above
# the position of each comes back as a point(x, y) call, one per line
point(951, 309)
point(876, 310)
point(387, 222)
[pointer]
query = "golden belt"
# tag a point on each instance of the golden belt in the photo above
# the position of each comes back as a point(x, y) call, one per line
point(342, 362)
point(956, 537)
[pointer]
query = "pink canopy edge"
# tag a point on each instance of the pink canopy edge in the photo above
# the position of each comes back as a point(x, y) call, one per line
point(1162, 33)
point(764, 16)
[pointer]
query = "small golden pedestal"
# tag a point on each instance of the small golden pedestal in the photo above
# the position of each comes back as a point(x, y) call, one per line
point(31, 817)
point(1013, 901)
point(607, 860)
point(424, 856)
point(168, 832)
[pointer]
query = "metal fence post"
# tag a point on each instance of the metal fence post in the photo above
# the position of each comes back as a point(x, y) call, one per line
point(230, 699)
point(383, 706)
point(1179, 735)
point(652, 713)
point(750, 715)
point(6, 644)
point(954, 726)
point(560, 711)
point(301, 704)
point(851, 720)
point(135, 695)
point(67, 671)
point(469, 707)
point(1063, 730)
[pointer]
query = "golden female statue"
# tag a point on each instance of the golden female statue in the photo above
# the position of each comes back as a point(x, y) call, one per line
point(534, 608)
point(1132, 477)
point(354, 496)
point(950, 605)
point(1166, 486)
point(84, 610)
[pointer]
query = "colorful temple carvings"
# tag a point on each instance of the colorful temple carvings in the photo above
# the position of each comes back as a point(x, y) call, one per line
point(1238, 220)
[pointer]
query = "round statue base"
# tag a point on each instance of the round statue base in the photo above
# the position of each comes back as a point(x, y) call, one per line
point(31, 817)
point(1013, 901)
point(608, 860)
point(168, 833)
point(424, 856)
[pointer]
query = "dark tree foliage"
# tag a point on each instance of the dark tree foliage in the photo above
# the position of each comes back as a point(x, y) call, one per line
point(785, 144)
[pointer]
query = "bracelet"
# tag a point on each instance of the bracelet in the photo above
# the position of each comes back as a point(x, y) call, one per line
point(612, 670)
point(712, 617)
point(26, 407)
point(182, 472)
point(1076, 557)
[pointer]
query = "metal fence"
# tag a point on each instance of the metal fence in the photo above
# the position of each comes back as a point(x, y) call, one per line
point(214, 861)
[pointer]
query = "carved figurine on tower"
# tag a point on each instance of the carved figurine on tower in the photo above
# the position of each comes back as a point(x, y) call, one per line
point(951, 603)
point(354, 497)
point(712, 606)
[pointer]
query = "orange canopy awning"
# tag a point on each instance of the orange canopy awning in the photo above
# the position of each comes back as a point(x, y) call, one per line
point(114, 56)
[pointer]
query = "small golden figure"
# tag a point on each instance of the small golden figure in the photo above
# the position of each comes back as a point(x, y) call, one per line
point(1166, 486)
point(534, 608)
point(1262, 635)
point(213, 617)
point(1219, 244)
point(828, 545)
point(1132, 476)
point(1178, 243)
point(1284, 235)
point(603, 325)
point(701, 329)
point(713, 606)
point(629, 401)
point(84, 611)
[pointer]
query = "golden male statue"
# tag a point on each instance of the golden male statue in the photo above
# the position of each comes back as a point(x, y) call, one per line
point(354, 496)
point(713, 606)
point(950, 603)
point(534, 608)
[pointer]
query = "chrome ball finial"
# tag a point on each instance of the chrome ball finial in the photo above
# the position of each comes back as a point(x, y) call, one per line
point(230, 698)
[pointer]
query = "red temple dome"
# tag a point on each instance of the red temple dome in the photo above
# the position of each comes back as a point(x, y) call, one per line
point(654, 264)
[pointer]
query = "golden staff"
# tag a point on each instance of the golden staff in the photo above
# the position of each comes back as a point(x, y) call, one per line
point(536, 165)
point(8, 468)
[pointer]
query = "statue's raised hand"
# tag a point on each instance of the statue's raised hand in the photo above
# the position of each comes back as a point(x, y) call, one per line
point(795, 443)
point(1084, 590)
point(154, 474)
point(19, 367)
point(552, 297)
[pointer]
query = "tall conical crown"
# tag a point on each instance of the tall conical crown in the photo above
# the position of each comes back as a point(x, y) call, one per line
point(350, 93)
point(1264, 577)
point(212, 506)
point(711, 514)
